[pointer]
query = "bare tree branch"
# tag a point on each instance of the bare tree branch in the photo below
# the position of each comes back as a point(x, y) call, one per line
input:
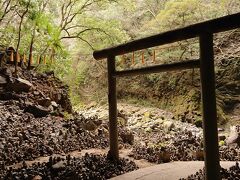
point(21, 21)
point(78, 37)
point(7, 8)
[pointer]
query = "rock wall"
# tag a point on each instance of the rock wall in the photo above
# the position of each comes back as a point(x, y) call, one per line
point(39, 93)
point(179, 92)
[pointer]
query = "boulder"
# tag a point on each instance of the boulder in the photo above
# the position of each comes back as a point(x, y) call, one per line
point(37, 110)
point(234, 137)
point(103, 132)
point(20, 85)
point(127, 136)
point(56, 96)
point(60, 165)
point(3, 81)
point(168, 125)
point(164, 157)
point(98, 122)
point(37, 178)
point(6, 72)
point(198, 122)
point(90, 126)
point(65, 101)
point(54, 104)
point(46, 102)
point(121, 121)
point(199, 155)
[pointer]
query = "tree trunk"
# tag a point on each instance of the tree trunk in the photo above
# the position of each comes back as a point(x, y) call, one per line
point(19, 34)
point(30, 53)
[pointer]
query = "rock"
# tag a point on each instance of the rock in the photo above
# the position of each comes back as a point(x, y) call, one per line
point(221, 143)
point(220, 129)
point(98, 122)
point(148, 129)
point(20, 85)
point(37, 110)
point(59, 165)
point(127, 136)
point(36, 93)
point(51, 109)
point(3, 81)
point(91, 105)
point(122, 114)
point(54, 104)
point(49, 73)
point(90, 126)
point(199, 155)
point(198, 122)
point(159, 121)
point(65, 101)
point(168, 125)
point(164, 157)
point(56, 96)
point(46, 102)
point(121, 121)
point(234, 136)
point(6, 72)
point(120, 146)
point(105, 132)
point(37, 178)
point(221, 137)
point(147, 115)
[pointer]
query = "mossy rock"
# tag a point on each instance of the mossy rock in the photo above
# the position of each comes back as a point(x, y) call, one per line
point(221, 143)
point(68, 116)
point(148, 130)
point(198, 122)
point(147, 115)
point(121, 121)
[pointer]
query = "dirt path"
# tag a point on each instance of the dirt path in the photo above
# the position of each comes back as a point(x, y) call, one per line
point(124, 153)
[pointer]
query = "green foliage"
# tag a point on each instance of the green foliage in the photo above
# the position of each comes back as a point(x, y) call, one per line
point(68, 30)
point(180, 13)
point(221, 143)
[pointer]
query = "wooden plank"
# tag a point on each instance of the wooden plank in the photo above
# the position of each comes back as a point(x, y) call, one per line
point(213, 26)
point(11, 57)
point(159, 68)
point(112, 102)
point(38, 59)
point(154, 56)
point(24, 58)
point(211, 150)
point(17, 57)
point(143, 58)
point(45, 60)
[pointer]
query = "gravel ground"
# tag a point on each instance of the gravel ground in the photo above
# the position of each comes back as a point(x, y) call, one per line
point(87, 167)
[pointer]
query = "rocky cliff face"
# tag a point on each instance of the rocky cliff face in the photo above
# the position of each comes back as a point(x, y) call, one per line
point(39, 94)
point(179, 92)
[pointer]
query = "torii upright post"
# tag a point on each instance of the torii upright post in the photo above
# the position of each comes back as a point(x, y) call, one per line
point(112, 102)
point(211, 150)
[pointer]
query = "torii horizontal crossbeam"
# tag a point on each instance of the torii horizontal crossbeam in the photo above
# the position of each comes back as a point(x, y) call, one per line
point(159, 68)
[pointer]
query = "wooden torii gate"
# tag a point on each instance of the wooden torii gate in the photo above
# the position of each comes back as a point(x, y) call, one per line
point(204, 31)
